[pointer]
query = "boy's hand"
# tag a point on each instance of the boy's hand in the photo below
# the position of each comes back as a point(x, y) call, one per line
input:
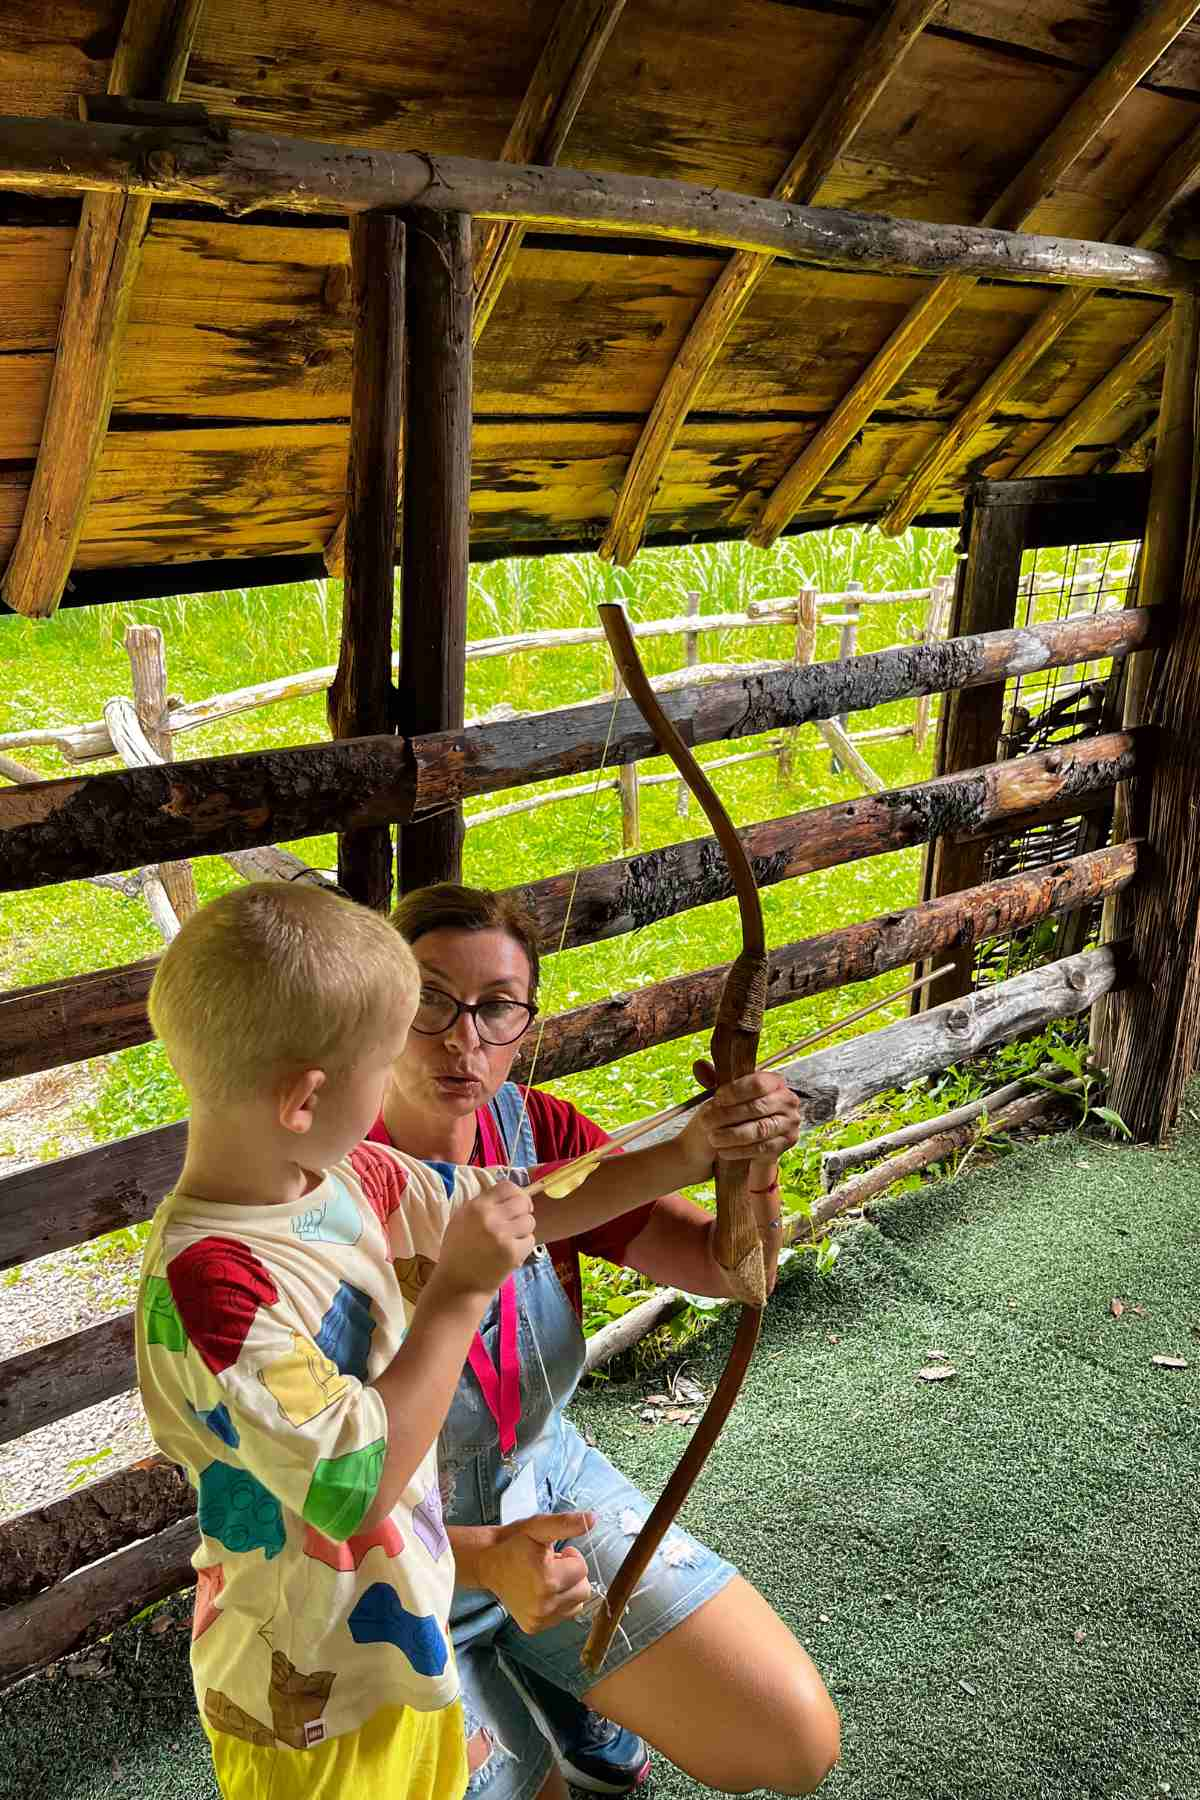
point(757, 1117)
point(486, 1239)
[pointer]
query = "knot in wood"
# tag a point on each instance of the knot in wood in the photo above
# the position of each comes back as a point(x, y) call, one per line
point(1077, 980)
point(958, 1019)
point(161, 163)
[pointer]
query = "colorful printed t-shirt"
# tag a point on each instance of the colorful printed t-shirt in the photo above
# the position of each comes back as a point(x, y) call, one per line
point(560, 1133)
point(259, 1332)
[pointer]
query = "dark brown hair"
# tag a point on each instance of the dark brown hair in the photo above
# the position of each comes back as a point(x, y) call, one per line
point(445, 906)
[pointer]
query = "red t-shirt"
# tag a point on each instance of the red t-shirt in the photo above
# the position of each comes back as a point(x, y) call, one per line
point(560, 1133)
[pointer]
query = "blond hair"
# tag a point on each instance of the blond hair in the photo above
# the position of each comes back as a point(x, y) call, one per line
point(272, 978)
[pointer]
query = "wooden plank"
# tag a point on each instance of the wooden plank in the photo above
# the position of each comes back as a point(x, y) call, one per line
point(1141, 224)
point(64, 1021)
point(862, 80)
point(239, 171)
point(150, 60)
point(64, 830)
point(95, 1601)
point(437, 523)
point(39, 1386)
point(361, 699)
point(48, 1543)
point(148, 667)
point(1145, 43)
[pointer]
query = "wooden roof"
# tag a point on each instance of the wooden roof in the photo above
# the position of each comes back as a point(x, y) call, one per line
point(227, 441)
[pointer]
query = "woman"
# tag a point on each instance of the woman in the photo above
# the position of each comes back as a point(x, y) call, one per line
point(702, 1667)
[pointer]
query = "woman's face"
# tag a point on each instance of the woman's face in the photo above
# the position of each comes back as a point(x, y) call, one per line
point(454, 1072)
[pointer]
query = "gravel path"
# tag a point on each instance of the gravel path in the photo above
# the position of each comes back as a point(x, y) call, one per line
point(59, 1295)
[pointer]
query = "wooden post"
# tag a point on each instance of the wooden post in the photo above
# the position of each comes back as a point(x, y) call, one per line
point(147, 654)
point(691, 656)
point(971, 723)
point(937, 619)
point(802, 654)
point(437, 498)
point(627, 787)
point(1163, 580)
point(360, 701)
point(847, 647)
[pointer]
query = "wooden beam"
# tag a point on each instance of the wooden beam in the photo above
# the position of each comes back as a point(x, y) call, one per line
point(65, 1021)
point(96, 824)
point(1107, 395)
point(1141, 224)
point(555, 93)
point(240, 172)
point(851, 99)
point(150, 61)
point(437, 521)
point(40, 1386)
point(360, 702)
point(556, 90)
point(1161, 572)
point(1132, 60)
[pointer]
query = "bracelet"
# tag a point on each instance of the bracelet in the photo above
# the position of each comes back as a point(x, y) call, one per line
point(773, 1189)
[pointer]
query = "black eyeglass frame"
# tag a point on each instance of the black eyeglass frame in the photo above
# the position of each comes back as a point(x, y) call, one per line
point(461, 1007)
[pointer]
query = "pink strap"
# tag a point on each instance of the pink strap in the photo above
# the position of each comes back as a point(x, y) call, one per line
point(501, 1392)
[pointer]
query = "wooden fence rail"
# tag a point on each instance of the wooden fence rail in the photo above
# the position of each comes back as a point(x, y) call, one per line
point(65, 1021)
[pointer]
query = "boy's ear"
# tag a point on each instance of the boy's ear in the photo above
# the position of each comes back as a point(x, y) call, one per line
point(297, 1101)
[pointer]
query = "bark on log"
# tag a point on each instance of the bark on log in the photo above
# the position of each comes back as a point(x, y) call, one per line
point(359, 702)
point(836, 1163)
point(95, 1601)
point(485, 758)
point(862, 1187)
point(98, 824)
point(241, 172)
point(436, 535)
point(39, 1386)
point(48, 1543)
point(603, 1032)
point(60, 1022)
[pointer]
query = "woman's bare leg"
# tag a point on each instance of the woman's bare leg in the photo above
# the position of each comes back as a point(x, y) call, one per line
point(731, 1697)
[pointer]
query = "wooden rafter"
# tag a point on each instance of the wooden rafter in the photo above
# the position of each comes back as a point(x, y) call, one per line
point(1141, 224)
point(1131, 61)
point(1095, 406)
point(555, 93)
point(149, 63)
point(862, 81)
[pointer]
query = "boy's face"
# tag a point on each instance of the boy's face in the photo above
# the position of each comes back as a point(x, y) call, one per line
point(348, 1104)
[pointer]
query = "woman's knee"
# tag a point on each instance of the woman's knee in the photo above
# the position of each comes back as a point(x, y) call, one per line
point(793, 1757)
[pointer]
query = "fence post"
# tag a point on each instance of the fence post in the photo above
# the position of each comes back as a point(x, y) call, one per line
point(147, 655)
point(847, 646)
point(691, 648)
point(936, 609)
point(802, 654)
point(627, 786)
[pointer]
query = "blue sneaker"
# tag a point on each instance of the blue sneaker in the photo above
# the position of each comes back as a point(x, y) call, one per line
point(592, 1752)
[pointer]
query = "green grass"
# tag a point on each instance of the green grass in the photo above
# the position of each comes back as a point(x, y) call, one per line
point(62, 671)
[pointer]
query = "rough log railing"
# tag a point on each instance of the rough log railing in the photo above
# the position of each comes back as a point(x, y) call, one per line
point(66, 1021)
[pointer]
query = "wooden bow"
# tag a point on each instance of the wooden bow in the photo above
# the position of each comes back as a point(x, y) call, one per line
point(734, 1048)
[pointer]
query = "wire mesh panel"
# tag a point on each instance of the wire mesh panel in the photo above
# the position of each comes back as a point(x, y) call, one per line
point(1058, 706)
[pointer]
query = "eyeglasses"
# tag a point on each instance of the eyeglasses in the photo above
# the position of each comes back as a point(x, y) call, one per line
point(496, 1021)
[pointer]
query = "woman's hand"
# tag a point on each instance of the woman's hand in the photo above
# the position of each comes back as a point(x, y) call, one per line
point(755, 1118)
point(536, 1584)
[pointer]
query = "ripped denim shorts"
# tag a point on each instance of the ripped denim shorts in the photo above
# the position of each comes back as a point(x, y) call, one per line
point(491, 1650)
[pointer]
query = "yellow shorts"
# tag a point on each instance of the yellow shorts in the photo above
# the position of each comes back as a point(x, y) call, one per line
point(400, 1753)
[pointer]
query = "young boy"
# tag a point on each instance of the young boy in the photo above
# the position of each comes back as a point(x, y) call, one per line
point(285, 1361)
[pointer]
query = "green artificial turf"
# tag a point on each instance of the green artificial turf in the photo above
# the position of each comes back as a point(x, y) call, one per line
point(1007, 1562)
